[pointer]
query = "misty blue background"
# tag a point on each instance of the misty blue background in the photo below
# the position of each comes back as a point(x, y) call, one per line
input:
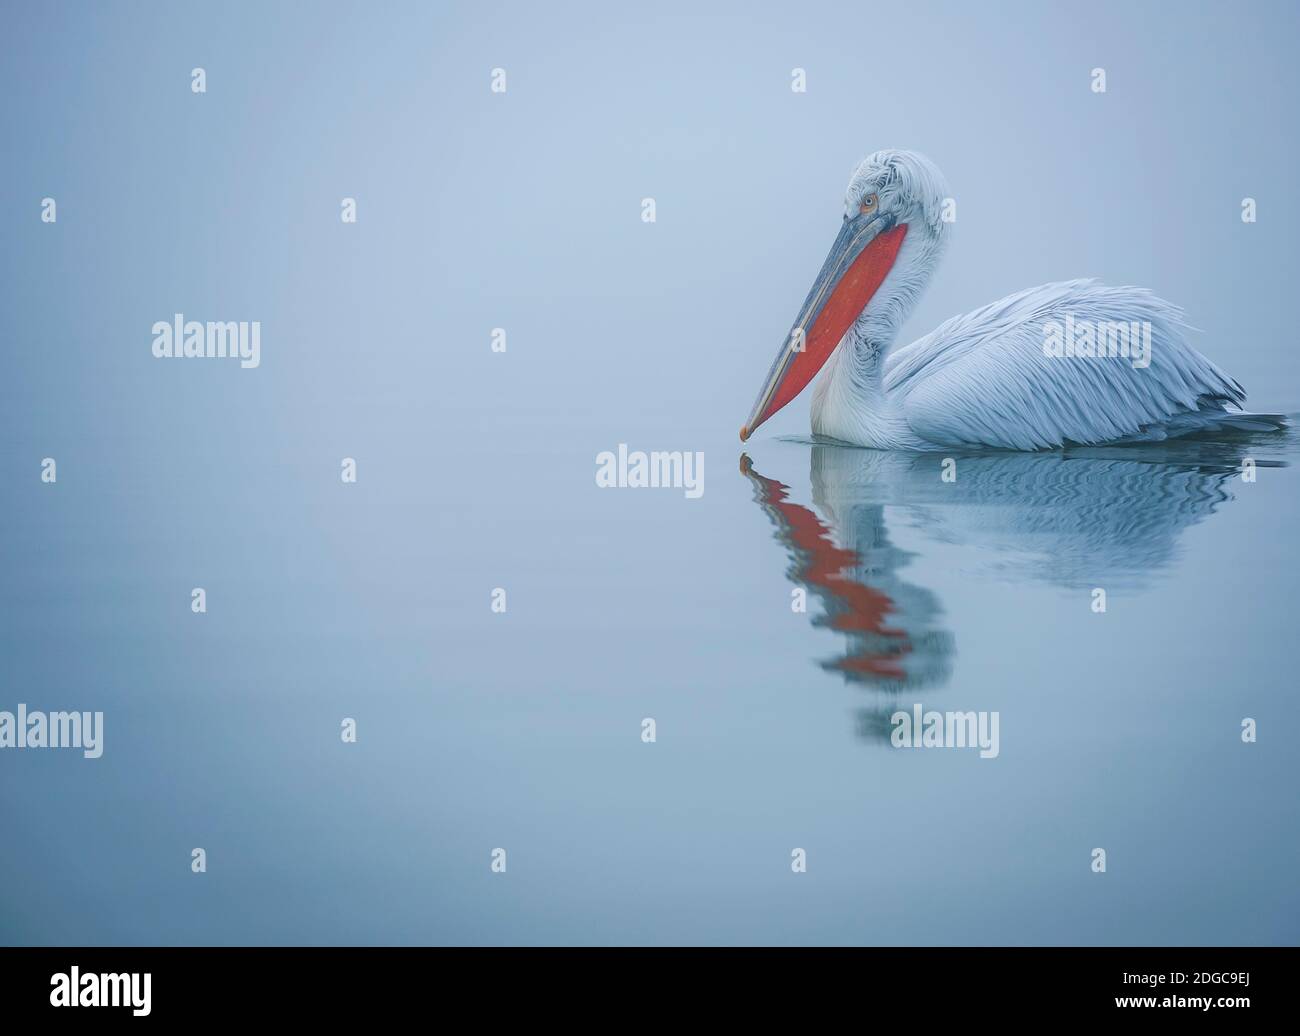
point(476, 470)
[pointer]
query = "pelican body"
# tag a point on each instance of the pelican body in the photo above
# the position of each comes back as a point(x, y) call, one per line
point(1074, 362)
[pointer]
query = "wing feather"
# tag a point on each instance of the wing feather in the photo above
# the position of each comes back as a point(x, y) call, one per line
point(984, 379)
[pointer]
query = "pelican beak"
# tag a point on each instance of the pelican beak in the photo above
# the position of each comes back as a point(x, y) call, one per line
point(860, 259)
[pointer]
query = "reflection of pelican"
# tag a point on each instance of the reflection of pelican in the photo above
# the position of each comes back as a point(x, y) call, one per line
point(1075, 362)
point(851, 567)
point(1076, 518)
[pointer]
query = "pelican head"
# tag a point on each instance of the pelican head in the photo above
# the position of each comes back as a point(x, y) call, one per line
point(894, 199)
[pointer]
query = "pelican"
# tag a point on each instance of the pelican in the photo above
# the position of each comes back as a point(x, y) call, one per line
point(1045, 368)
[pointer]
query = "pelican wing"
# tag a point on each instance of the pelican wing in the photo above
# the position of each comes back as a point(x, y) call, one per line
point(985, 379)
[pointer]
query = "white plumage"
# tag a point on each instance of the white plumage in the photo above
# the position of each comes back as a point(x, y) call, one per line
point(985, 379)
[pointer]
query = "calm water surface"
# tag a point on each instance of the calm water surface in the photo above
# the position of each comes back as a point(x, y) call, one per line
point(522, 731)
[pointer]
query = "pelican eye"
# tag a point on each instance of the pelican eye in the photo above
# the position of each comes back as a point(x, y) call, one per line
point(869, 203)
